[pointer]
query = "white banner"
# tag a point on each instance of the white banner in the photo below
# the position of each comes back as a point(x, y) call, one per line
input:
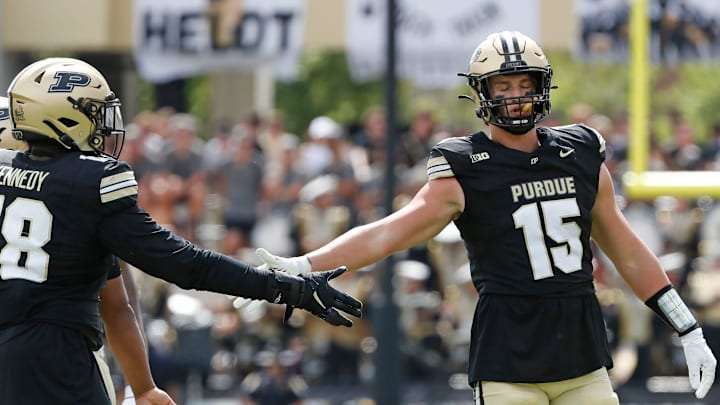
point(180, 38)
point(435, 38)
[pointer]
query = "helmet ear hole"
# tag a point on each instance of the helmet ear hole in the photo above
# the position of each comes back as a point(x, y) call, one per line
point(68, 122)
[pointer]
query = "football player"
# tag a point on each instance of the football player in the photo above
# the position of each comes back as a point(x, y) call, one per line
point(527, 200)
point(67, 207)
point(118, 308)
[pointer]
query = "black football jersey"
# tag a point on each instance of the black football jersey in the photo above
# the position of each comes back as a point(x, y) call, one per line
point(52, 265)
point(527, 217)
point(526, 226)
point(61, 221)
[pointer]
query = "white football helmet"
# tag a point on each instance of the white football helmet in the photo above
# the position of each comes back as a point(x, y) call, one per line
point(68, 101)
point(6, 139)
point(507, 53)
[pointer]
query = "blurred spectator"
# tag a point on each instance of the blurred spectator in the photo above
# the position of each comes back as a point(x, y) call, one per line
point(711, 150)
point(273, 140)
point(217, 151)
point(183, 168)
point(419, 139)
point(282, 188)
point(371, 136)
point(272, 384)
point(241, 186)
point(319, 217)
point(328, 136)
point(423, 348)
point(684, 153)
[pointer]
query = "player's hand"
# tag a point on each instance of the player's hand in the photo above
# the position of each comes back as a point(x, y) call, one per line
point(293, 265)
point(313, 293)
point(155, 396)
point(701, 362)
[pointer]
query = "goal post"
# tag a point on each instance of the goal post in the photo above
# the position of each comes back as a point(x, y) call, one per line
point(639, 183)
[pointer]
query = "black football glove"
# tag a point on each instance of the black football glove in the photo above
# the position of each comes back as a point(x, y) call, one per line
point(313, 293)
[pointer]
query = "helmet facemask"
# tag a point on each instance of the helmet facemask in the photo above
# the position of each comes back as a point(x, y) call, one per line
point(109, 135)
point(534, 106)
point(510, 53)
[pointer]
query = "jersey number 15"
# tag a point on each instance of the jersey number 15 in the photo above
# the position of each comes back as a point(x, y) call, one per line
point(566, 257)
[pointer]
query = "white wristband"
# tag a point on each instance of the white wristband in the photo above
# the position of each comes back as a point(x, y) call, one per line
point(129, 396)
point(677, 313)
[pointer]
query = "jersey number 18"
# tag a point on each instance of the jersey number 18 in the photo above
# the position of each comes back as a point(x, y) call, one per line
point(26, 228)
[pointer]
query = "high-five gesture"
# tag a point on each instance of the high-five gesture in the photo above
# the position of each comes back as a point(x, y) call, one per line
point(313, 293)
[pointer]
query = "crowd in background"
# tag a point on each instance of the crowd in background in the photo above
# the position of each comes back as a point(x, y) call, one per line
point(679, 30)
point(253, 184)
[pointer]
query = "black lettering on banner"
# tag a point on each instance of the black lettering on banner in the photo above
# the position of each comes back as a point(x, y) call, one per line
point(476, 19)
point(414, 22)
point(284, 19)
point(185, 31)
point(249, 34)
point(66, 82)
point(152, 28)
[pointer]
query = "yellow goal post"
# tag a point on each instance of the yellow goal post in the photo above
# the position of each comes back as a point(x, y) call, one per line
point(639, 182)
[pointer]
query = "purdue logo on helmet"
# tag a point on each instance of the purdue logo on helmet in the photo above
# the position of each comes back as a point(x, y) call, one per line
point(7, 141)
point(68, 101)
point(507, 53)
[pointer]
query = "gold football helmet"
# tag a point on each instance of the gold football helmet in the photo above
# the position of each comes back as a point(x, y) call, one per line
point(6, 139)
point(68, 101)
point(507, 53)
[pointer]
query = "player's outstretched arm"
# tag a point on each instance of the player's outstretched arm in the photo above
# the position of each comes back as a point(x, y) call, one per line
point(158, 252)
point(431, 209)
point(642, 272)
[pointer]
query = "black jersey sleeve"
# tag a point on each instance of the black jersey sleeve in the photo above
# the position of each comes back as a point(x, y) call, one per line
point(135, 237)
point(114, 268)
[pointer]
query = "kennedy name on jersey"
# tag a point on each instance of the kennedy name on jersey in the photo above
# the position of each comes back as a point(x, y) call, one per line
point(20, 178)
point(532, 190)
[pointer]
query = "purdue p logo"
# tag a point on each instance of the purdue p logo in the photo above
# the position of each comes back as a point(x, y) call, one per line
point(66, 82)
